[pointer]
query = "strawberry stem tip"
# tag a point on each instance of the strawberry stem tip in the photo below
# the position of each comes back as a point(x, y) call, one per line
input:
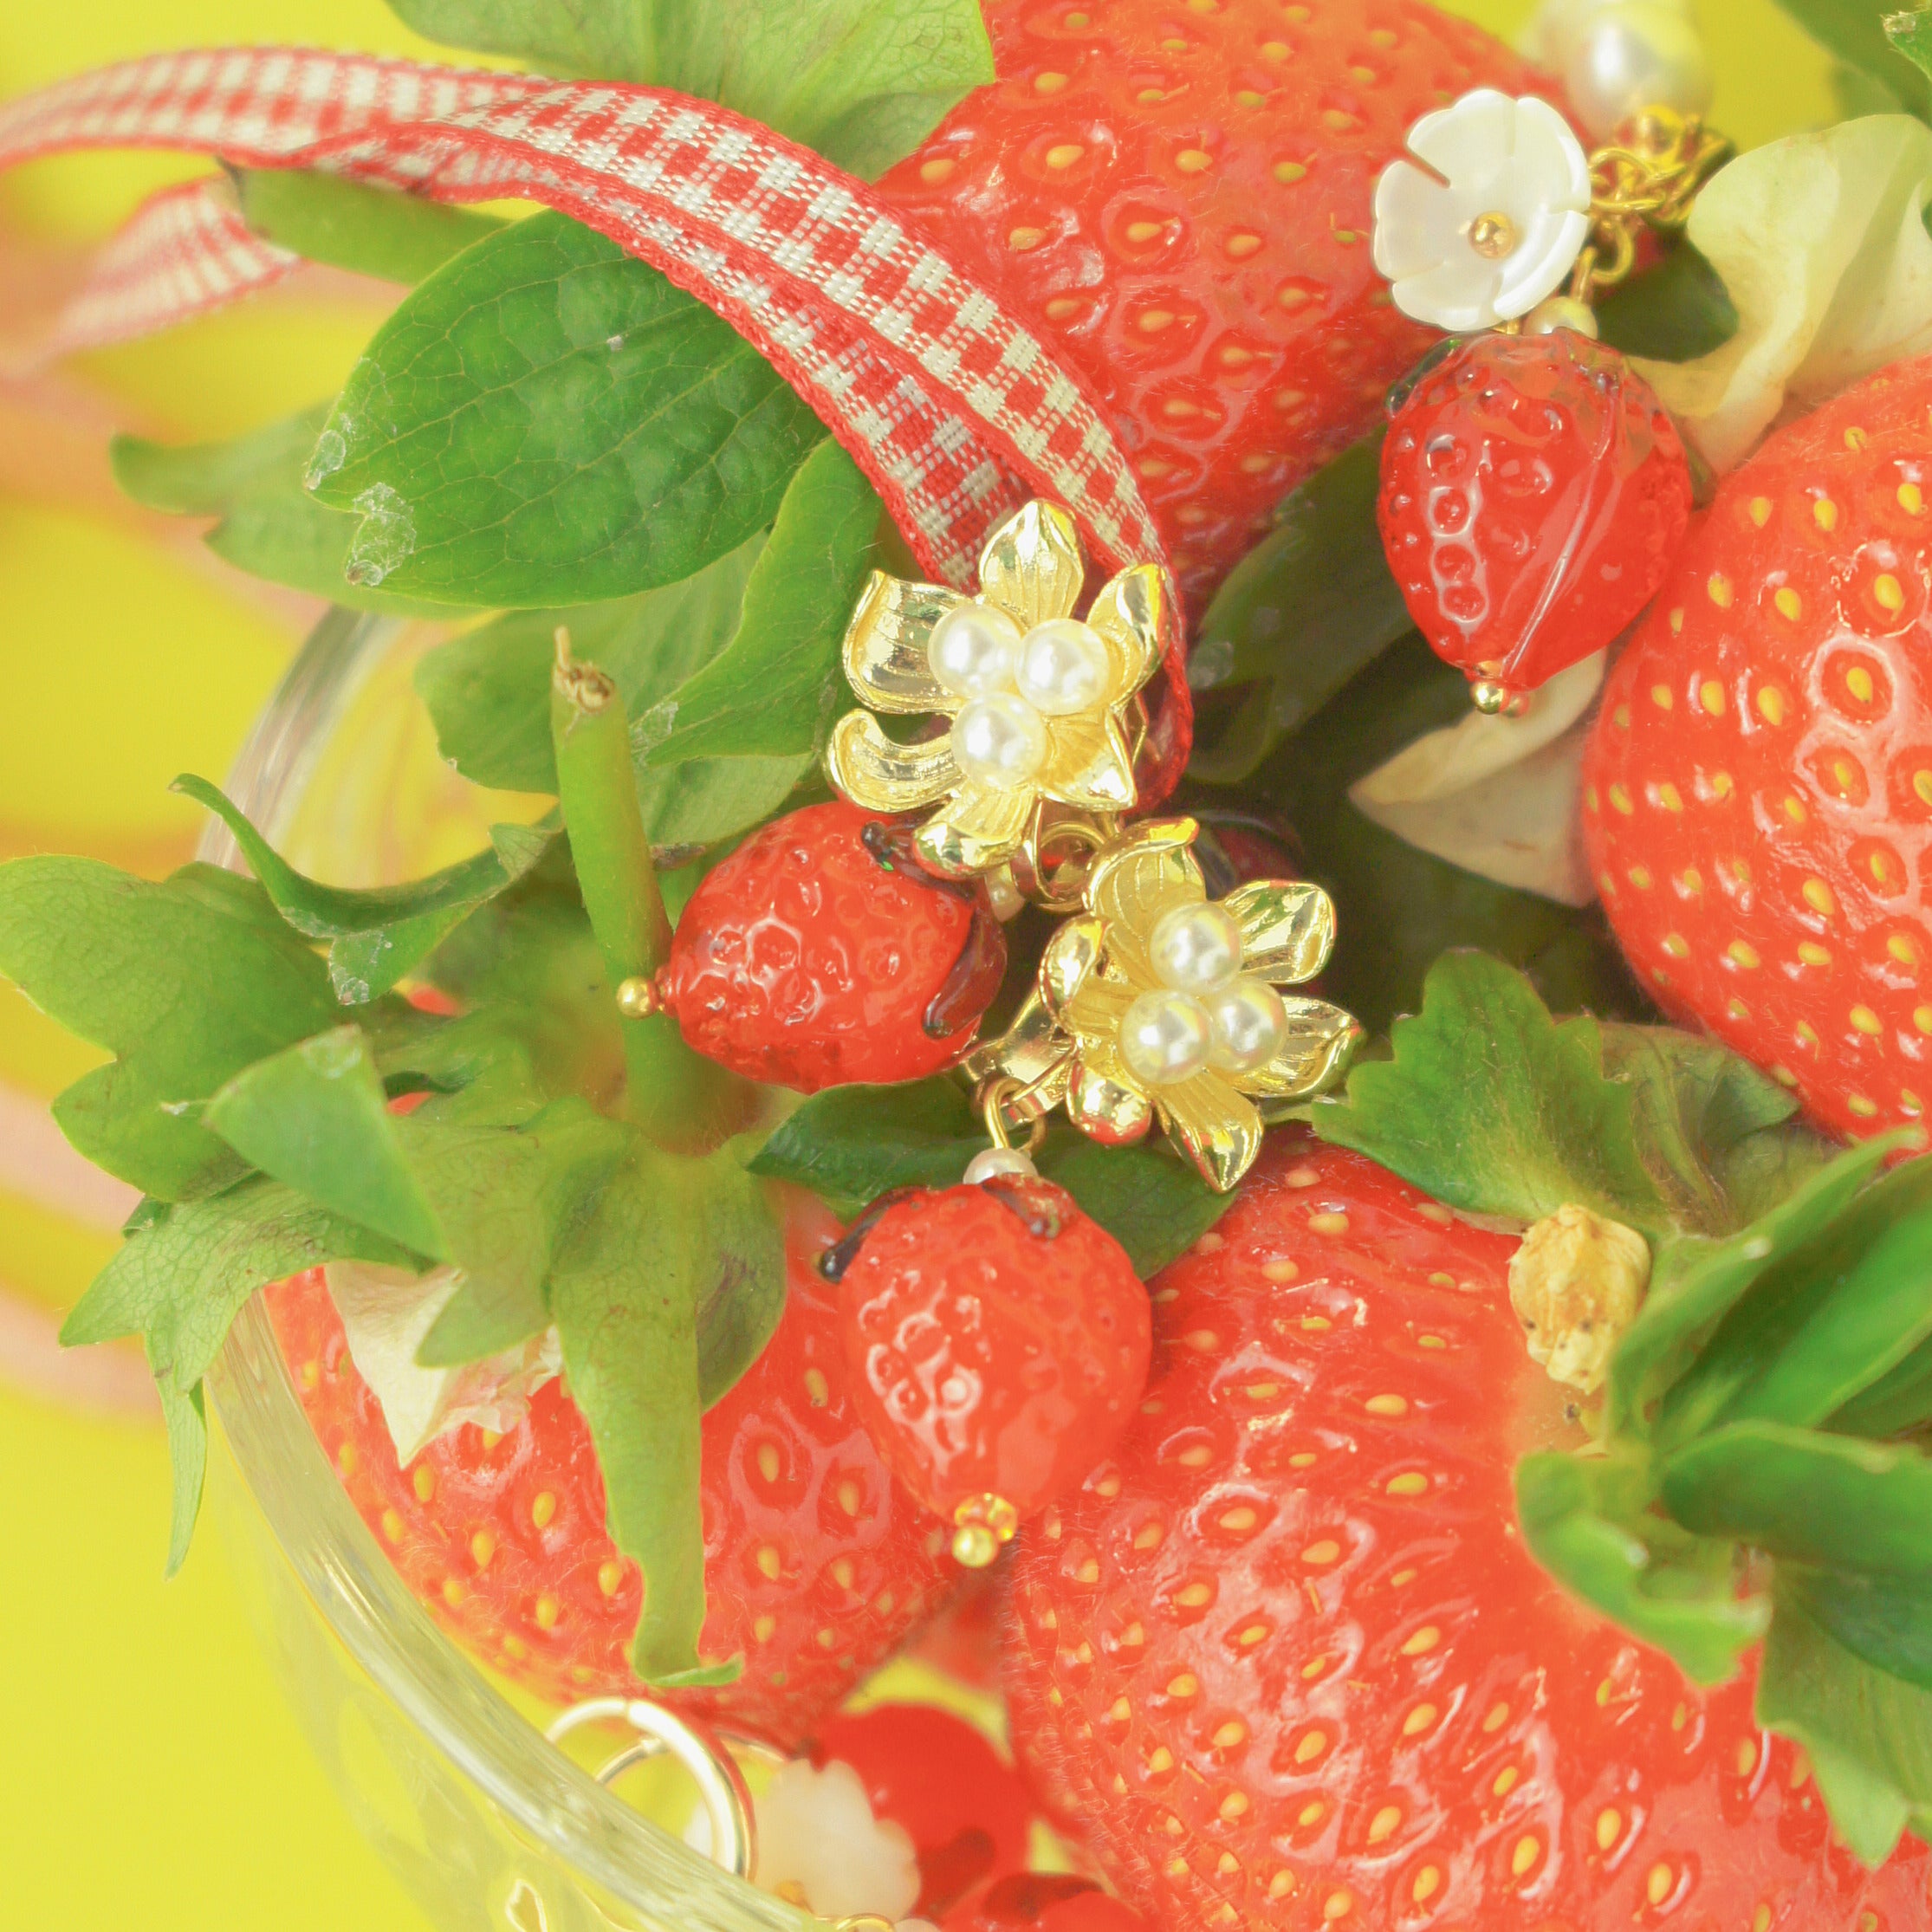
point(679, 1099)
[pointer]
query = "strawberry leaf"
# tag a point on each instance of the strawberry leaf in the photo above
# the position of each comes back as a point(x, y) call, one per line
point(624, 1297)
point(184, 1416)
point(187, 981)
point(742, 1291)
point(1868, 1734)
point(547, 421)
point(267, 522)
point(773, 691)
point(1304, 611)
point(862, 81)
point(1673, 313)
point(377, 936)
point(1492, 1107)
point(345, 224)
point(1857, 33)
point(1153, 1203)
point(1884, 1620)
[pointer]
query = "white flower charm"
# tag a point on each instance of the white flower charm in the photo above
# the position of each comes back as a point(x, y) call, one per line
point(1489, 218)
point(819, 1845)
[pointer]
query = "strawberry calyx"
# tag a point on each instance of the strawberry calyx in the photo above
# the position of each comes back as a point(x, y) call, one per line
point(1754, 1470)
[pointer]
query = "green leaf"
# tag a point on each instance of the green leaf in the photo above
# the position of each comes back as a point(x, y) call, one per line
point(373, 232)
point(1884, 1620)
point(1856, 31)
point(773, 691)
point(1836, 1503)
point(377, 936)
point(1489, 1105)
point(1819, 1325)
point(548, 421)
point(187, 981)
point(1900, 1400)
point(268, 524)
point(1693, 1102)
point(740, 1304)
point(1155, 1206)
point(1688, 1608)
point(862, 81)
point(854, 1144)
point(184, 1414)
point(1868, 1734)
point(1911, 34)
point(1696, 1282)
point(1304, 611)
point(315, 1116)
point(1673, 313)
point(624, 1297)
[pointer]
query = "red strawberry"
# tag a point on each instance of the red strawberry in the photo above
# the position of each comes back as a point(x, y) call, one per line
point(998, 1340)
point(965, 1808)
point(1044, 1902)
point(818, 954)
point(1533, 493)
point(819, 1564)
point(1177, 198)
point(1287, 1656)
point(1757, 789)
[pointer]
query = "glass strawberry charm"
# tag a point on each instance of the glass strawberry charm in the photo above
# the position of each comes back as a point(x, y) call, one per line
point(1534, 489)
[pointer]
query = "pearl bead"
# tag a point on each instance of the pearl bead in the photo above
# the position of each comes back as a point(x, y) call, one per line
point(1247, 1025)
point(1165, 1039)
point(1636, 53)
point(972, 651)
point(1555, 312)
point(1195, 947)
point(999, 741)
point(991, 1162)
point(1064, 667)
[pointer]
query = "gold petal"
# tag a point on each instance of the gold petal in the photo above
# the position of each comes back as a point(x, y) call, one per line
point(1087, 763)
point(1322, 1039)
point(1149, 870)
point(1096, 1008)
point(1220, 1130)
point(878, 775)
point(1138, 613)
point(1288, 930)
point(1107, 1110)
point(1071, 955)
point(1032, 567)
point(1032, 1051)
point(977, 831)
point(886, 644)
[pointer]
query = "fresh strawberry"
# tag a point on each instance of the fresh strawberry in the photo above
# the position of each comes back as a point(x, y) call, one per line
point(1757, 789)
point(818, 954)
point(1286, 1658)
point(998, 1340)
point(966, 1811)
point(1533, 493)
point(1177, 199)
point(819, 1564)
point(1044, 1902)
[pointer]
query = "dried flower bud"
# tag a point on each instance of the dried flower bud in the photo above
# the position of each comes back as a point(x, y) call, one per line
point(1577, 1282)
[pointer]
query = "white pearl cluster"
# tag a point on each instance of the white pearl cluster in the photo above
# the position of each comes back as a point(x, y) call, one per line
point(1207, 1012)
point(1618, 56)
point(1012, 683)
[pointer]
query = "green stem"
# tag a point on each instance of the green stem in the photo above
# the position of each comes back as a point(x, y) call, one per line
point(681, 1100)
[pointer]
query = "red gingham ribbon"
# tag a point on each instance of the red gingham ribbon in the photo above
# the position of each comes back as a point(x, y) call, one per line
point(955, 411)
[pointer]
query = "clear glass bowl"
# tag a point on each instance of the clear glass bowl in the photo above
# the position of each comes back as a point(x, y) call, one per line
point(486, 1823)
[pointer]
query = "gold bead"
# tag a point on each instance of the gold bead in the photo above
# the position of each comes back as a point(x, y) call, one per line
point(982, 1525)
point(1488, 698)
point(1493, 236)
point(638, 998)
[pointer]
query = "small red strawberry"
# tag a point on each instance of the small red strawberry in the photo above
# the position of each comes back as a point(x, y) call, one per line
point(1044, 1902)
point(998, 1339)
point(819, 1564)
point(1533, 493)
point(966, 1811)
point(1286, 1659)
point(1177, 199)
point(1758, 788)
point(818, 954)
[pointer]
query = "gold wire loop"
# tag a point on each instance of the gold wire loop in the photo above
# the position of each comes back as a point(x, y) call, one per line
point(1650, 178)
point(993, 1096)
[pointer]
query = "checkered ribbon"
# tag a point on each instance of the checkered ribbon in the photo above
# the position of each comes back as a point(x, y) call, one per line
point(955, 411)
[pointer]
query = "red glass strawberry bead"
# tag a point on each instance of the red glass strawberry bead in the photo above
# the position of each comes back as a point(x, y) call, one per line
point(817, 954)
point(966, 1811)
point(1044, 1902)
point(1534, 491)
point(998, 1339)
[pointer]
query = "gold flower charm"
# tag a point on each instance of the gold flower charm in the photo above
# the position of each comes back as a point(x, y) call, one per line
point(1156, 1001)
point(1043, 707)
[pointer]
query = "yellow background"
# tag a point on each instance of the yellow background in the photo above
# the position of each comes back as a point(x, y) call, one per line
point(152, 1777)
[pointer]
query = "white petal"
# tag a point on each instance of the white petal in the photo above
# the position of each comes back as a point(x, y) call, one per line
point(1468, 141)
point(385, 1313)
point(1417, 222)
point(1459, 294)
point(1540, 263)
point(816, 1831)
